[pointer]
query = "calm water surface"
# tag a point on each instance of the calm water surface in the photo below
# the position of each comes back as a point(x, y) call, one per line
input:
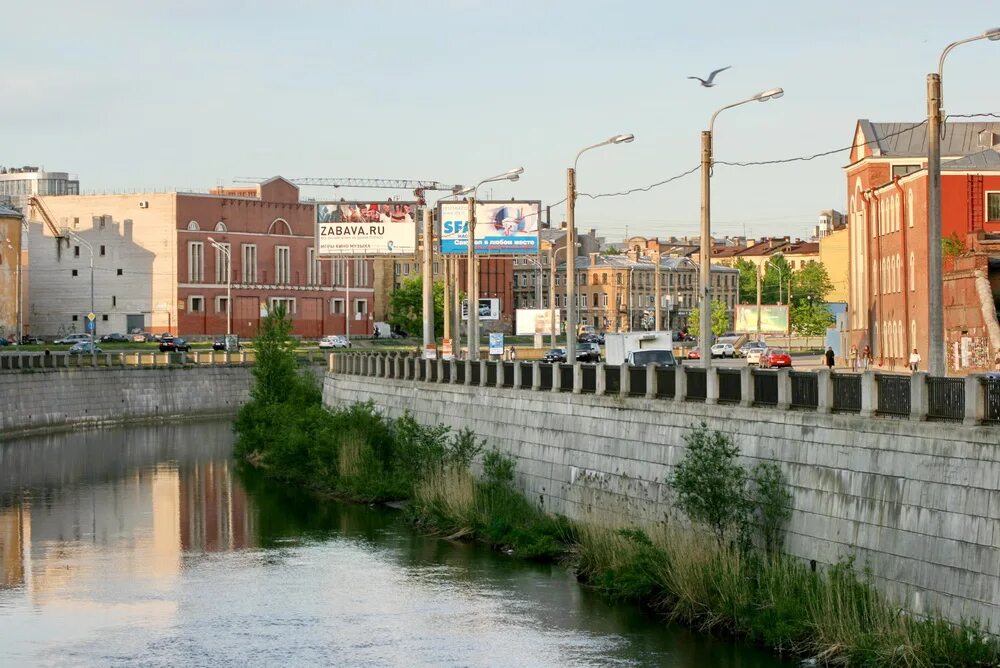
point(146, 546)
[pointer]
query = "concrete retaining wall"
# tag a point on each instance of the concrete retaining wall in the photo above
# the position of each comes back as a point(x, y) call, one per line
point(62, 398)
point(919, 502)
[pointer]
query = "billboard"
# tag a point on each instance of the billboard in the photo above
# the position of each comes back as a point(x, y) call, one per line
point(502, 228)
point(366, 228)
point(535, 321)
point(489, 309)
point(773, 319)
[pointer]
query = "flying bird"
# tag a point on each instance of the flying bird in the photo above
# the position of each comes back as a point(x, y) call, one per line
point(707, 83)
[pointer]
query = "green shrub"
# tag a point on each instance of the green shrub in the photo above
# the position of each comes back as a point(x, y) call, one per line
point(498, 468)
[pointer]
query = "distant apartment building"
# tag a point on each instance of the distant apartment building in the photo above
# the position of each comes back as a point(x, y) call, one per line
point(532, 272)
point(12, 272)
point(830, 220)
point(156, 268)
point(20, 183)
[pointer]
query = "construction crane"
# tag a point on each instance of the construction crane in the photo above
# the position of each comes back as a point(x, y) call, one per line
point(35, 204)
point(418, 187)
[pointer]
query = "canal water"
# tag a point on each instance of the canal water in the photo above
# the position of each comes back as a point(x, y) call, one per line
point(149, 546)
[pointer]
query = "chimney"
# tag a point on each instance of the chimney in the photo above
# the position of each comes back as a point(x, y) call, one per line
point(988, 139)
point(562, 225)
point(593, 259)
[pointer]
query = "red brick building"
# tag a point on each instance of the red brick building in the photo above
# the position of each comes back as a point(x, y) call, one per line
point(887, 197)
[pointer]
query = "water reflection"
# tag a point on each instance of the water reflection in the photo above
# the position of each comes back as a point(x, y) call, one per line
point(149, 546)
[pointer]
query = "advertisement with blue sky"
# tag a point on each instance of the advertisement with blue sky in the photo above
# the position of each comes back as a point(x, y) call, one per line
point(502, 228)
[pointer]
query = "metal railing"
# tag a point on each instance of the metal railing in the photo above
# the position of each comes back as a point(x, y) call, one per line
point(765, 388)
point(730, 386)
point(805, 389)
point(491, 375)
point(612, 379)
point(893, 394)
point(432, 370)
point(589, 373)
point(526, 375)
point(474, 374)
point(446, 371)
point(945, 398)
point(637, 381)
point(459, 369)
point(508, 374)
point(991, 391)
point(666, 383)
point(696, 385)
point(565, 377)
point(847, 392)
point(545, 376)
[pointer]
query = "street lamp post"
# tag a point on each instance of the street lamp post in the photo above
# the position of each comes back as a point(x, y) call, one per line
point(229, 287)
point(93, 323)
point(705, 324)
point(472, 278)
point(935, 280)
point(552, 294)
point(571, 242)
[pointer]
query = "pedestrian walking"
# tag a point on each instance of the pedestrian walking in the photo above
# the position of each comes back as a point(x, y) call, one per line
point(830, 359)
point(914, 360)
point(868, 359)
point(513, 353)
point(854, 358)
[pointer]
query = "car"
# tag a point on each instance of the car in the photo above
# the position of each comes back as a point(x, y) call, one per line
point(753, 355)
point(4, 342)
point(723, 350)
point(751, 345)
point(588, 352)
point(170, 344)
point(774, 358)
point(114, 338)
point(73, 338)
point(555, 355)
point(84, 347)
point(219, 343)
point(160, 337)
point(694, 354)
point(27, 340)
point(587, 338)
point(334, 341)
point(142, 337)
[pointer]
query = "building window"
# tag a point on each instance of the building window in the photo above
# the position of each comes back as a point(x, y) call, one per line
point(75, 318)
point(220, 226)
point(76, 273)
point(312, 267)
point(595, 300)
point(221, 304)
point(912, 273)
point(288, 303)
point(114, 301)
point(222, 252)
point(193, 226)
point(903, 170)
point(282, 265)
point(604, 300)
point(103, 253)
point(120, 272)
point(360, 306)
point(196, 304)
point(76, 251)
point(336, 306)
point(249, 263)
point(993, 207)
point(196, 262)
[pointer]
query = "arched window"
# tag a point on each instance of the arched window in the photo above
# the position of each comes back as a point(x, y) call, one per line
point(193, 226)
point(913, 333)
point(604, 279)
point(220, 226)
point(909, 206)
point(279, 226)
point(912, 273)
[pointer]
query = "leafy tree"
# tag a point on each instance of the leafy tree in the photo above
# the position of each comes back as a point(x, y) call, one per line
point(406, 306)
point(777, 272)
point(771, 502)
point(720, 319)
point(748, 281)
point(613, 250)
point(813, 281)
point(810, 318)
point(952, 245)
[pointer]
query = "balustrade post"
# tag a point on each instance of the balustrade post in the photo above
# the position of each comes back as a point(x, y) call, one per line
point(975, 400)
point(712, 386)
point(746, 387)
point(600, 380)
point(482, 373)
point(869, 394)
point(577, 378)
point(468, 372)
point(556, 377)
point(919, 398)
point(440, 370)
point(499, 367)
point(680, 383)
point(624, 380)
point(536, 380)
point(399, 366)
point(651, 381)
point(784, 390)
point(824, 391)
point(517, 375)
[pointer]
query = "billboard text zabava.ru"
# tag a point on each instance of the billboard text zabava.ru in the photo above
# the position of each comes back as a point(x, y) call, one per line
point(366, 228)
point(501, 227)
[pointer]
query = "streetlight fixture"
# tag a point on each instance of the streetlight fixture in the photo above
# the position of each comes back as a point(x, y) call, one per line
point(93, 323)
point(625, 138)
point(552, 294)
point(935, 280)
point(705, 322)
point(225, 250)
point(472, 277)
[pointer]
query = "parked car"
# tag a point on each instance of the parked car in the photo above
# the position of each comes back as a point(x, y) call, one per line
point(170, 344)
point(84, 347)
point(588, 352)
point(334, 341)
point(73, 338)
point(723, 350)
point(27, 340)
point(142, 337)
point(751, 345)
point(694, 354)
point(753, 355)
point(114, 338)
point(774, 358)
point(587, 338)
point(555, 355)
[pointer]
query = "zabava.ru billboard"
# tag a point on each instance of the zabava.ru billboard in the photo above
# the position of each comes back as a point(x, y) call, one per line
point(366, 228)
point(502, 228)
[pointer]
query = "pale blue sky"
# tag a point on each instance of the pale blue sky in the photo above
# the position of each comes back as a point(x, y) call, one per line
point(156, 95)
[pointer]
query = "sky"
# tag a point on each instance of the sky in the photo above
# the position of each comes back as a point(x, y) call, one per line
point(163, 95)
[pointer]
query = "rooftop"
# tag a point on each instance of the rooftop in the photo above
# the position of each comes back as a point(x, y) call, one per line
point(909, 140)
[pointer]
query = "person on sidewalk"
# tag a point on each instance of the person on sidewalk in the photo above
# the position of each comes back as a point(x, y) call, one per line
point(854, 358)
point(914, 360)
point(867, 357)
point(830, 359)
point(513, 354)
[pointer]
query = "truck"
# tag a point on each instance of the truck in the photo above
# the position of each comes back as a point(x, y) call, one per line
point(640, 348)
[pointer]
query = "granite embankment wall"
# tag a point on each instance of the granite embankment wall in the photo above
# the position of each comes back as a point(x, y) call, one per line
point(918, 502)
point(47, 399)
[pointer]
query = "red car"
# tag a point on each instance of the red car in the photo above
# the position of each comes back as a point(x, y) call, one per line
point(774, 358)
point(694, 354)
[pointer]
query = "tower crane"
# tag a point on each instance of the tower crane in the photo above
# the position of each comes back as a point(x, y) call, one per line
point(418, 187)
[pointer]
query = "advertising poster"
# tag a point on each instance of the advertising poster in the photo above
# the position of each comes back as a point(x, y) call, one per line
point(489, 309)
point(366, 228)
point(773, 319)
point(502, 228)
point(496, 343)
point(535, 321)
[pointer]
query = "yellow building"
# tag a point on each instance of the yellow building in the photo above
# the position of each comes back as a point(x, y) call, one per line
point(833, 250)
point(11, 272)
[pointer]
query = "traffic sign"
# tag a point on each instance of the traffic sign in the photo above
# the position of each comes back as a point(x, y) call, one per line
point(90, 325)
point(91, 317)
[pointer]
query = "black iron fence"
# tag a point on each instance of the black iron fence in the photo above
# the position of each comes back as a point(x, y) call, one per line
point(589, 373)
point(696, 385)
point(730, 386)
point(526, 378)
point(446, 371)
point(765, 388)
point(545, 376)
point(474, 373)
point(637, 381)
point(945, 398)
point(565, 377)
point(847, 392)
point(893, 394)
point(666, 383)
point(508, 374)
point(459, 368)
point(612, 379)
point(805, 389)
point(432, 370)
point(491, 375)
point(991, 388)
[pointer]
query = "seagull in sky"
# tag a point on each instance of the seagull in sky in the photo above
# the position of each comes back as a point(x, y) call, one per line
point(707, 83)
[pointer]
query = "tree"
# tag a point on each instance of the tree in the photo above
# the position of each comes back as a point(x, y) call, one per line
point(777, 272)
point(813, 281)
point(952, 245)
point(406, 306)
point(810, 318)
point(748, 281)
point(720, 320)
point(612, 250)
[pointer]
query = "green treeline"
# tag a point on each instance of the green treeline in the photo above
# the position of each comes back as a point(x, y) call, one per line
point(724, 571)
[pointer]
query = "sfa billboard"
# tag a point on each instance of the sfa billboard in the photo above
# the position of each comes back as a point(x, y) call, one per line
point(535, 321)
point(489, 309)
point(773, 319)
point(502, 228)
point(366, 228)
